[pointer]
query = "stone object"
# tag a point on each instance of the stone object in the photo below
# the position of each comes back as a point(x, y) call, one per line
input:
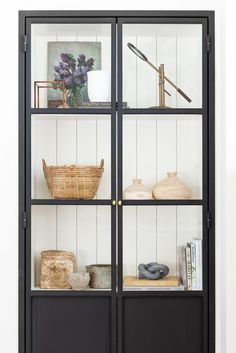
point(79, 280)
point(100, 276)
point(152, 271)
point(55, 267)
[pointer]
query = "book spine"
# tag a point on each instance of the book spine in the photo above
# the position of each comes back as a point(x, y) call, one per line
point(188, 267)
point(193, 265)
point(199, 263)
point(183, 266)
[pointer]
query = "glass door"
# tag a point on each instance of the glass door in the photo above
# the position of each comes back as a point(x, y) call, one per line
point(71, 144)
point(162, 155)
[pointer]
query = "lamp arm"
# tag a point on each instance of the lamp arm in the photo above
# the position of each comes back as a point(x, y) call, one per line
point(171, 83)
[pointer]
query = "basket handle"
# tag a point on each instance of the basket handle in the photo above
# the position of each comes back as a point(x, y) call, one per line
point(44, 164)
point(102, 163)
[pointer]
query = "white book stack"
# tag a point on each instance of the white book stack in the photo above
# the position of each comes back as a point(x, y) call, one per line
point(191, 264)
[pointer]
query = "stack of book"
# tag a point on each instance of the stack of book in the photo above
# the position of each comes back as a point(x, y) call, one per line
point(191, 265)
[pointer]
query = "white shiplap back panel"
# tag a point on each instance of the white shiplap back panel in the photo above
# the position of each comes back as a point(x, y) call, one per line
point(189, 224)
point(66, 228)
point(189, 68)
point(129, 72)
point(189, 158)
point(146, 234)
point(43, 237)
point(129, 151)
point(166, 146)
point(86, 140)
point(105, 39)
point(39, 67)
point(146, 150)
point(66, 141)
point(166, 54)
point(86, 236)
point(103, 149)
point(103, 235)
point(146, 76)
point(130, 241)
point(166, 237)
point(43, 144)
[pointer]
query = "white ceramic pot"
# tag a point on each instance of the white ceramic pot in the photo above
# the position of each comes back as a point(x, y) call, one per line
point(99, 86)
point(137, 191)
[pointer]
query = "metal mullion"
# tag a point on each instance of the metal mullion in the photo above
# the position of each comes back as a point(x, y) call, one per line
point(28, 190)
point(211, 187)
point(205, 193)
point(22, 201)
point(113, 187)
point(70, 20)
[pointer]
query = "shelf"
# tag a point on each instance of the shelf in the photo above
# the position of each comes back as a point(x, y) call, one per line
point(36, 292)
point(67, 111)
point(143, 111)
point(162, 293)
point(166, 111)
point(69, 202)
point(162, 202)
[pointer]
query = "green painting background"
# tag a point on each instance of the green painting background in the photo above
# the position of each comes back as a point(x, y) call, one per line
point(89, 49)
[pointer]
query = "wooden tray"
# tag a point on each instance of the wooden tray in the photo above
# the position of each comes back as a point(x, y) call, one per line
point(170, 281)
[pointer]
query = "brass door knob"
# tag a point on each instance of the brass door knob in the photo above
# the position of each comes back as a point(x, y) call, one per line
point(114, 203)
point(119, 203)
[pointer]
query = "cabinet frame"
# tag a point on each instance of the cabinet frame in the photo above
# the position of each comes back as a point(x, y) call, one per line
point(206, 18)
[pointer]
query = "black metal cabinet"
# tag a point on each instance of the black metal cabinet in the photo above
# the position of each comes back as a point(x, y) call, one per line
point(141, 135)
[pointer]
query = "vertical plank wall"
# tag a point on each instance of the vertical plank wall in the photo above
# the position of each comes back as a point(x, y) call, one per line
point(179, 48)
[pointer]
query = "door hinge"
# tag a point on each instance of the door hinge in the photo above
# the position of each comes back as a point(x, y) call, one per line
point(24, 220)
point(208, 43)
point(209, 220)
point(25, 43)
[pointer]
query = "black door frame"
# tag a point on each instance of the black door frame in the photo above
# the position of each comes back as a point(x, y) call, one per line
point(25, 111)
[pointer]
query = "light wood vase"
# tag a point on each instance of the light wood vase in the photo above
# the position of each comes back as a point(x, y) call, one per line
point(171, 188)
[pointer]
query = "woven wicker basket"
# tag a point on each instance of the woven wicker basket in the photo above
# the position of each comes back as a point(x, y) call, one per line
point(73, 181)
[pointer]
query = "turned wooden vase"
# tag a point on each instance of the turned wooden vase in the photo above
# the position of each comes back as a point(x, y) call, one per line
point(171, 188)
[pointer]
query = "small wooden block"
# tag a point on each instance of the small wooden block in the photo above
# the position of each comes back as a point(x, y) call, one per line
point(170, 281)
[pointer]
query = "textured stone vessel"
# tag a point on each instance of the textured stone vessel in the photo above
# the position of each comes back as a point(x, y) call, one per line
point(55, 268)
point(79, 280)
point(171, 188)
point(100, 276)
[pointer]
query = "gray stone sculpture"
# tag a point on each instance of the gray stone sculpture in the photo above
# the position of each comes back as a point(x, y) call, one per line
point(152, 270)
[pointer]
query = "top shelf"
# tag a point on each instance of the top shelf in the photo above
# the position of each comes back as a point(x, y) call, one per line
point(125, 111)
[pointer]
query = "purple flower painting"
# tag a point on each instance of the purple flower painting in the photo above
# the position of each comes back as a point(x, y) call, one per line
point(71, 62)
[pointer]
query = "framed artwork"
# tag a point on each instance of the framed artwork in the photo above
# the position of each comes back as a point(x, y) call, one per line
point(65, 59)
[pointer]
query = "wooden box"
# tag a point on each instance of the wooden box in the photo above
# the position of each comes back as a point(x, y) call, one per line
point(55, 267)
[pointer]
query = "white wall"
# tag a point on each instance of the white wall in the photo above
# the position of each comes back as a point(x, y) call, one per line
point(226, 164)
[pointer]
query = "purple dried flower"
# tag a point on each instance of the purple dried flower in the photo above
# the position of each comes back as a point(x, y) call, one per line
point(74, 75)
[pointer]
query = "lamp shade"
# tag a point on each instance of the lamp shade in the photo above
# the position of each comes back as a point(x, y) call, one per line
point(99, 86)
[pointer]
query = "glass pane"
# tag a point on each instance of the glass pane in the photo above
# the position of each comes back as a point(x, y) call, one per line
point(67, 140)
point(179, 48)
point(84, 231)
point(159, 234)
point(78, 57)
point(154, 145)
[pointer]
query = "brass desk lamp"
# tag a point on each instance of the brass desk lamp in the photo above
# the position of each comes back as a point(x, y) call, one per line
point(162, 77)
